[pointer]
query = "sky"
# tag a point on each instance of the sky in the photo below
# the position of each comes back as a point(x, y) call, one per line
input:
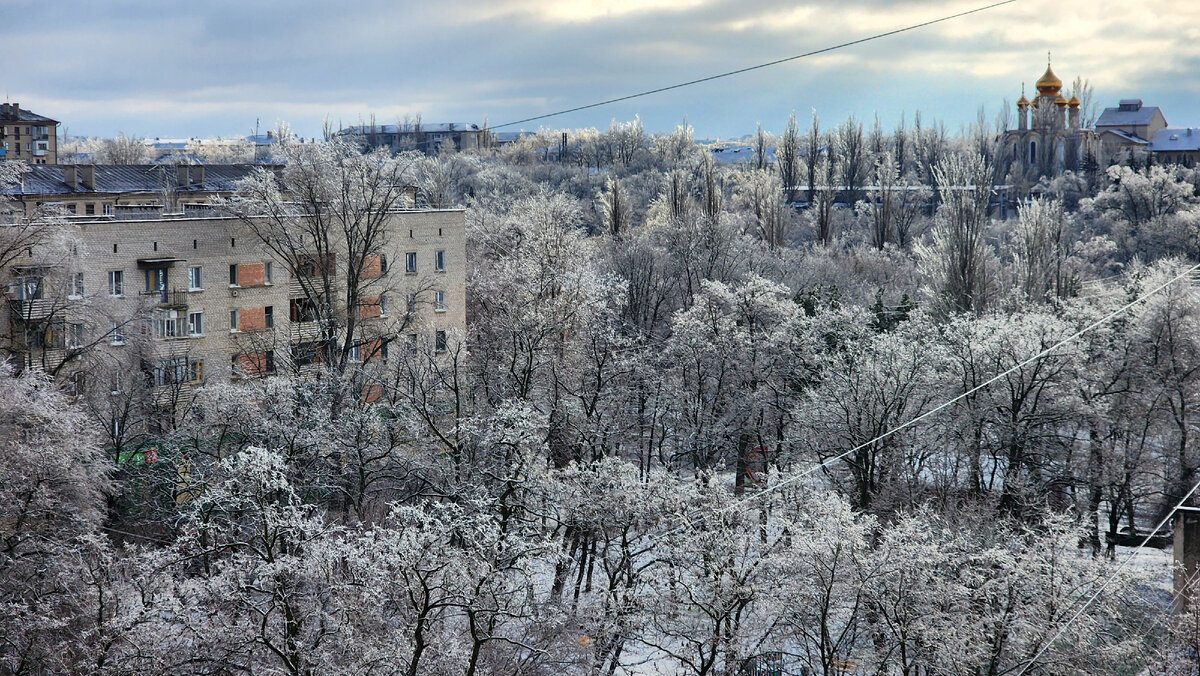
point(217, 68)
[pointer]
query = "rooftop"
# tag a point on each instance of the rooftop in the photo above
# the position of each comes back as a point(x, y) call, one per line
point(14, 112)
point(1175, 140)
point(1126, 114)
point(426, 127)
point(48, 179)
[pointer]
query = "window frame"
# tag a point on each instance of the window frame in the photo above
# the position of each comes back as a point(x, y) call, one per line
point(195, 327)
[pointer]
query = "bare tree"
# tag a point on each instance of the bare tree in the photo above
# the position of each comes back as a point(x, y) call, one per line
point(813, 146)
point(957, 257)
point(327, 218)
point(787, 155)
point(761, 143)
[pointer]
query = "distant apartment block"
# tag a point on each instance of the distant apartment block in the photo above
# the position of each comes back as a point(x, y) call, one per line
point(27, 136)
point(425, 137)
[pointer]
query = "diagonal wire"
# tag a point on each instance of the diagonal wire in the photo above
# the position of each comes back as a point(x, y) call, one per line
point(1108, 580)
point(1065, 341)
point(747, 69)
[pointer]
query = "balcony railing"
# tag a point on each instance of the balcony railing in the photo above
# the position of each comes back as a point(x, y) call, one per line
point(172, 298)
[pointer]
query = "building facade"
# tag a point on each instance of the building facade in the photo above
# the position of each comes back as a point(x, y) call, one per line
point(1049, 137)
point(425, 137)
point(188, 300)
point(26, 136)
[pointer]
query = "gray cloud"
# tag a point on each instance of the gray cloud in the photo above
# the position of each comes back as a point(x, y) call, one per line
point(196, 69)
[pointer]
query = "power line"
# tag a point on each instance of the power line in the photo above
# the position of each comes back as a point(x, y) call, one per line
point(1107, 582)
point(1069, 339)
point(776, 62)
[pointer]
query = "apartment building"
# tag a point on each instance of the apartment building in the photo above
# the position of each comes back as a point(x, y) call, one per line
point(27, 136)
point(425, 137)
point(191, 299)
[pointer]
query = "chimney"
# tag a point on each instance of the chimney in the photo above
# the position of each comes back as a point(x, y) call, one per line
point(181, 175)
point(198, 175)
point(71, 177)
point(16, 111)
point(87, 176)
point(4, 111)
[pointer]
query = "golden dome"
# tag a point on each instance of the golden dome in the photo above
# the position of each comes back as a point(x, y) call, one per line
point(1060, 101)
point(1049, 84)
point(1022, 102)
point(1074, 102)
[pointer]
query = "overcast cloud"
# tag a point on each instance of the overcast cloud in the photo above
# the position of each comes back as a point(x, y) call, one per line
point(157, 68)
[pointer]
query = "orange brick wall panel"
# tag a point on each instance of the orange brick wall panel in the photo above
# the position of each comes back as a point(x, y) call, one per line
point(252, 274)
point(252, 363)
point(369, 307)
point(252, 319)
point(372, 267)
point(372, 393)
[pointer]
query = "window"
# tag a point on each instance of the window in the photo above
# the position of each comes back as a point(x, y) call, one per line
point(383, 350)
point(116, 286)
point(75, 335)
point(304, 354)
point(90, 209)
point(439, 341)
point(410, 262)
point(411, 343)
point(156, 280)
point(195, 372)
point(383, 305)
point(29, 287)
point(48, 336)
point(169, 371)
point(439, 301)
point(269, 272)
point(233, 274)
point(310, 266)
point(233, 320)
point(439, 261)
point(355, 353)
point(195, 323)
point(77, 284)
point(107, 209)
point(303, 310)
point(195, 278)
point(269, 316)
point(116, 335)
point(71, 208)
point(170, 325)
point(411, 305)
point(383, 264)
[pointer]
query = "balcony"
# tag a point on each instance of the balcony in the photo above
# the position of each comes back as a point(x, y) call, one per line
point(40, 152)
point(165, 298)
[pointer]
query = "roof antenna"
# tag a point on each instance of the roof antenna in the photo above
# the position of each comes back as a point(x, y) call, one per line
point(1047, 58)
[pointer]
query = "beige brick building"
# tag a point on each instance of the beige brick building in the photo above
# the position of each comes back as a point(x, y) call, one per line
point(27, 136)
point(190, 300)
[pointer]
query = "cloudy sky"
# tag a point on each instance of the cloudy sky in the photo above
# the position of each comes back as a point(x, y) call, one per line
point(169, 69)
